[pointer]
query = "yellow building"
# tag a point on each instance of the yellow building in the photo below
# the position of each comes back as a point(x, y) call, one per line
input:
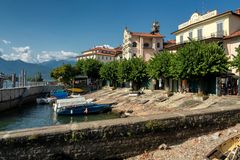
point(223, 28)
point(209, 27)
point(139, 44)
point(102, 53)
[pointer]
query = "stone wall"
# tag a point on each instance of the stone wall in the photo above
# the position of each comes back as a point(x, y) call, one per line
point(15, 97)
point(113, 139)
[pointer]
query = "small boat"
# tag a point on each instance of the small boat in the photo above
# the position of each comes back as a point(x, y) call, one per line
point(76, 106)
point(59, 94)
point(90, 108)
point(47, 100)
point(228, 150)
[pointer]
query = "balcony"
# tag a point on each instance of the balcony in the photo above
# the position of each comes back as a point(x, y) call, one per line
point(213, 36)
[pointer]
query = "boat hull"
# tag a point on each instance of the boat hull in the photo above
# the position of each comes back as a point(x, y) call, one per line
point(85, 109)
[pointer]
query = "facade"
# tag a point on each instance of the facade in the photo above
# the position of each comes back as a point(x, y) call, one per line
point(208, 27)
point(103, 54)
point(139, 44)
point(222, 28)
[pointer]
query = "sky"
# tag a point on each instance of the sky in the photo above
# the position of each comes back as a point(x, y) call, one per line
point(40, 30)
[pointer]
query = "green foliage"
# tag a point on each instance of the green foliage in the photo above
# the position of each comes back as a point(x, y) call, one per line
point(123, 70)
point(199, 59)
point(79, 67)
point(64, 73)
point(159, 65)
point(109, 72)
point(36, 78)
point(138, 72)
point(89, 67)
point(236, 60)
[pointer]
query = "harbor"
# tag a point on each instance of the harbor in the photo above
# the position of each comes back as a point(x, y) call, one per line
point(119, 80)
point(32, 116)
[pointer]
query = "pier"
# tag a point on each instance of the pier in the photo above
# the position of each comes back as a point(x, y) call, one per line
point(15, 97)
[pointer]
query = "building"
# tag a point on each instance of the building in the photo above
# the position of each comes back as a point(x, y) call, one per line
point(222, 28)
point(102, 53)
point(139, 44)
point(208, 27)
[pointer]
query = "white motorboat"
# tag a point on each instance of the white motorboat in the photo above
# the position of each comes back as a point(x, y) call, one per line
point(45, 100)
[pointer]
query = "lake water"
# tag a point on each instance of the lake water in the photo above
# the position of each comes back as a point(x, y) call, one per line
point(43, 115)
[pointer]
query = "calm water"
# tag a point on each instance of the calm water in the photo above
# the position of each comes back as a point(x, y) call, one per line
point(43, 115)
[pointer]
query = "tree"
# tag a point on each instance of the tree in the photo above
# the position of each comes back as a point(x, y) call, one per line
point(36, 78)
point(108, 72)
point(137, 73)
point(91, 68)
point(64, 73)
point(236, 64)
point(159, 65)
point(198, 60)
point(79, 67)
point(236, 60)
point(123, 70)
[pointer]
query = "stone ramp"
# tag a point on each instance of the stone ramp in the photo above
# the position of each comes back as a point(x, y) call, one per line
point(208, 102)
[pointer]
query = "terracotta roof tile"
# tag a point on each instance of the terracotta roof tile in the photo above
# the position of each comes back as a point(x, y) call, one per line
point(234, 34)
point(142, 34)
point(102, 54)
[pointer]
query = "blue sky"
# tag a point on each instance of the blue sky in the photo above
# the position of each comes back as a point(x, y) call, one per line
point(40, 30)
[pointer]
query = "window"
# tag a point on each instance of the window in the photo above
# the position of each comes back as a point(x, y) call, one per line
point(190, 35)
point(158, 45)
point(134, 44)
point(181, 39)
point(102, 57)
point(199, 33)
point(146, 45)
point(219, 29)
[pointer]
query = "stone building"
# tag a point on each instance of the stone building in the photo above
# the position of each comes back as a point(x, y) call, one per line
point(102, 53)
point(140, 44)
point(223, 28)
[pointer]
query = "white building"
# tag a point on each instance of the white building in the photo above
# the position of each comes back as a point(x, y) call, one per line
point(102, 53)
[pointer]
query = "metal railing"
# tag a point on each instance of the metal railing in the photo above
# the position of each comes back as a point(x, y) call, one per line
point(219, 34)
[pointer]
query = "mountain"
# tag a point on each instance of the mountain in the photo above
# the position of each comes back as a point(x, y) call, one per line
point(10, 67)
point(55, 63)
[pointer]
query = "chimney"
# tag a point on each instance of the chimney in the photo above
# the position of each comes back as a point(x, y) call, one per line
point(238, 11)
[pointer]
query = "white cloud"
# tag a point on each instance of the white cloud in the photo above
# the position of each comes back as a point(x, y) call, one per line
point(6, 42)
point(55, 55)
point(20, 53)
point(106, 46)
point(25, 54)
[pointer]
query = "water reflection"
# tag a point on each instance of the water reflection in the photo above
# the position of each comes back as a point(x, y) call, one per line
point(43, 115)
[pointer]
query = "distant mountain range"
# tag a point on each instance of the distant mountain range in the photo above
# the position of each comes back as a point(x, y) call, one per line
point(9, 67)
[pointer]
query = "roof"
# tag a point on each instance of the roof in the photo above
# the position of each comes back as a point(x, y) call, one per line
point(233, 35)
point(102, 54)
point(219, 15)
point(169, 43)
point(142, 34)
point(100, 48)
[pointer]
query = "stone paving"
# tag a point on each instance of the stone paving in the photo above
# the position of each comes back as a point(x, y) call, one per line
point(155, 102)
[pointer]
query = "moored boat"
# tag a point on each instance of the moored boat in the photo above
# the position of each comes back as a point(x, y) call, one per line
point(228, 150)
point(47, 100)
point(89, 108)
point(59, 94)
point(75, 106)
